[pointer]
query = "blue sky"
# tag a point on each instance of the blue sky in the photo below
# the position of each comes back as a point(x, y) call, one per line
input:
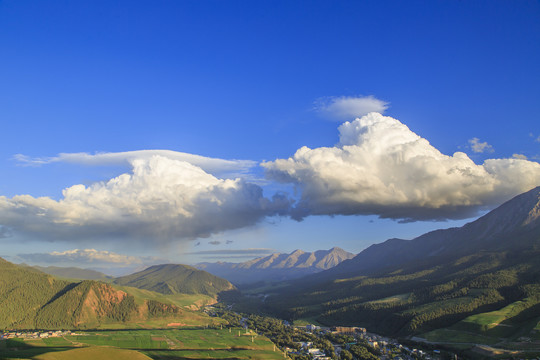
point(257, 81)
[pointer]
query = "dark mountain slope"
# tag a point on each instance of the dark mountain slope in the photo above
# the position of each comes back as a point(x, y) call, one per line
point(173, 279)
point(512, 226)
point(406, 287)
point(278, 266)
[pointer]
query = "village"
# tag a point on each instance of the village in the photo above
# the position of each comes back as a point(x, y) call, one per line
point(382, 347)
point(35, 334)
point(386, 348)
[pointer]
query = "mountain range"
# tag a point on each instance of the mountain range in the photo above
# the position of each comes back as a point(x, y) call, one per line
point(404, 287)
point(277, 266)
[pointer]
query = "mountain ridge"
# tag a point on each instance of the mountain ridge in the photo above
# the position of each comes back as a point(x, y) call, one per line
point(278, 266)
point(176, 278)
point(404, 287)
point(519, 215)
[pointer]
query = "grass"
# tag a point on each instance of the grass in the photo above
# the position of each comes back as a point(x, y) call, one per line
point(392, 299)
point(307, 321)
point(125, 341)
point(455, 336)
point(192, 301)
point(155, 343)
point(489, 320)
point(215, 354)
point(92, 353)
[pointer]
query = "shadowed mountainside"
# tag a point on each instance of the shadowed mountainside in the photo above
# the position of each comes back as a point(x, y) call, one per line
point(435, 280)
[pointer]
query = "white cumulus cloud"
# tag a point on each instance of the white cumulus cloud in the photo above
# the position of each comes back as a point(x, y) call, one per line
point(160, 200)
point(350, 107)
point(381, 167)
point(480, 147)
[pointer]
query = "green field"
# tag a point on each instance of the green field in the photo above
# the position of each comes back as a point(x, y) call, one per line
point(192, 301)
point(154, 344)
point(92, 353)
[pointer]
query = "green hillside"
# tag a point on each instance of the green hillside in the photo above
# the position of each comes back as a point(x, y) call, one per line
point(23, 292)
point(174, 279)
point(30, 299)
point(483, 278)
point(412, 301)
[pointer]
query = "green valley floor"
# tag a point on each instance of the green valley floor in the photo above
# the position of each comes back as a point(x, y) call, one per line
point(144, 344)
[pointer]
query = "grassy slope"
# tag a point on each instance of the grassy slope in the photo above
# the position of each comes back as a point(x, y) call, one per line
point(191, 301)
point(172, 279)
point(516, 320)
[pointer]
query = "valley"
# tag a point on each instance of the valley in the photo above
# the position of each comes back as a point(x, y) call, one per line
point(472, 291)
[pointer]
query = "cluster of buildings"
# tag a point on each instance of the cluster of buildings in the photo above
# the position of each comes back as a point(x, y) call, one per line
point(307, 347)
point(388, 348)
point(34, 334)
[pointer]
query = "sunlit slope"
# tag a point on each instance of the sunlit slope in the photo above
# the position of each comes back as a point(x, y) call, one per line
point(22, 294)
point(29, 299)
point(174, 279)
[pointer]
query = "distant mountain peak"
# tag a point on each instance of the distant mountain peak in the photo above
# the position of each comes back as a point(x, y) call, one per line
point(521, 211)
point(279, 266)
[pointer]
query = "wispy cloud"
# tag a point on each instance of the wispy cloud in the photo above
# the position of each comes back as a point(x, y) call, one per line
point(519, 156)
point(218, 167)
point(349, 107)
point(480, 147)
point(381, 167)
point(234, 252)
